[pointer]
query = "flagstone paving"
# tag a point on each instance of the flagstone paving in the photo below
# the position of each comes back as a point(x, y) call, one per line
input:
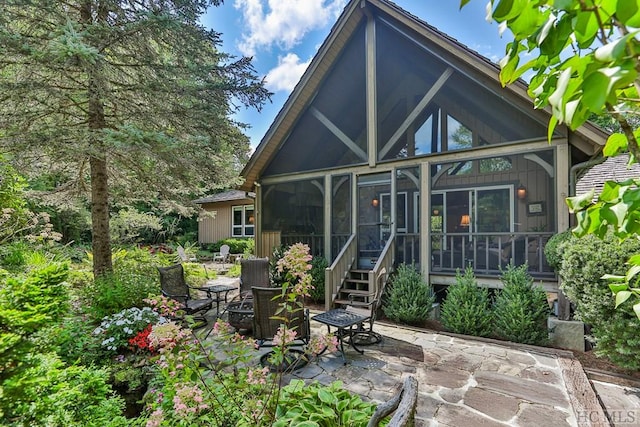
point(471, 382)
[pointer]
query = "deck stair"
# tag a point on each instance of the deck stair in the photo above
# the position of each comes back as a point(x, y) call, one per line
point(357, 285)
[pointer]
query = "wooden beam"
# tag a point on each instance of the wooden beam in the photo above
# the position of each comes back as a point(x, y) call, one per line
point(372, 107)
point(426, 99)
point(338, 133)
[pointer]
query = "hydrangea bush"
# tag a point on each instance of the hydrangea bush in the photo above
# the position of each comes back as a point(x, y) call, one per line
point(117, 329)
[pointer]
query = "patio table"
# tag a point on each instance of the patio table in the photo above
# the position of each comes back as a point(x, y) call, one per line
point(344, 321)
point(221, 293)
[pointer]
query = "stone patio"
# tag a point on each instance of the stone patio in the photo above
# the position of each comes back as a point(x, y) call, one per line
point(467, 382)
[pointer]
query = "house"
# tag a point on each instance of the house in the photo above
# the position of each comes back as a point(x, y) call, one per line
point(399, 145)
point(224, 215)
point(606, 169)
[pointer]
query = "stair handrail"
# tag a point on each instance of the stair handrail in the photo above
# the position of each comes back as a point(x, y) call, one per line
point(335, 274)
point(385, 261)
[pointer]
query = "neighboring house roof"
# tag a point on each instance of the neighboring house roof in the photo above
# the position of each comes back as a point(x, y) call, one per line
point(590, 137)
point(613, 169)
point(226, 196)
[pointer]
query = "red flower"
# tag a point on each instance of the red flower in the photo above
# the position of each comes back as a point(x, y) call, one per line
point(141, 340)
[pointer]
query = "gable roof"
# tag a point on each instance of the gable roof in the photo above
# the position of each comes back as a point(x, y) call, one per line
point(226, 196)
point(590, 138)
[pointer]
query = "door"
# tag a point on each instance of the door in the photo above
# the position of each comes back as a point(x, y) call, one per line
point(374, 218)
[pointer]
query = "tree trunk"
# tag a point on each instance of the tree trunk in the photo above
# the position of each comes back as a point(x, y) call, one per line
point(100, 239)
point(100, 217)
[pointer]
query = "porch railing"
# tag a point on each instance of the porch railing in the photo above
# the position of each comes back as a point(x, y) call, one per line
point(488, 253)
point(385, 262)
point(335, 274)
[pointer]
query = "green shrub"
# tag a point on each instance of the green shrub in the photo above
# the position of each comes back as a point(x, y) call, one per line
point(521, 308)
point(554, 248)
point(318, 266)
point(236, 245)
point(50, 394)
point(467, 308)
point(410, 298)
point(134, 278)
point(585, 261)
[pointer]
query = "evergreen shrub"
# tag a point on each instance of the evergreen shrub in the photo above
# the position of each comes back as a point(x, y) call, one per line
point(467, 307)
point(521, 308)
point(318, 266)
point(585, 261)
point(409, 299)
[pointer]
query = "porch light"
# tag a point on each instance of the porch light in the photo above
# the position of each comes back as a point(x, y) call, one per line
point(375, 202)
point(521, 192)
point(465, 221)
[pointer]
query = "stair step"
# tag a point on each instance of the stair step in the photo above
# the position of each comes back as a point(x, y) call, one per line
point(356, 281)
point(358, 271)
point(358, 292)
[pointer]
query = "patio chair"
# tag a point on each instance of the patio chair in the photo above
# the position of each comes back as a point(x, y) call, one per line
point(223, 255)
point(403, 402)
point(184, 257)
point(265, 326)
point(369, 307)
point(253, 272)
point(174, 286)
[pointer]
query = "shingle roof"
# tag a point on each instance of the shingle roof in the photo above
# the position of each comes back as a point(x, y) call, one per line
point(612, 169)
point(226, 196)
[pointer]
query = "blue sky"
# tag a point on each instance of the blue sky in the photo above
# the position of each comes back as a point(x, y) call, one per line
point(282, 36)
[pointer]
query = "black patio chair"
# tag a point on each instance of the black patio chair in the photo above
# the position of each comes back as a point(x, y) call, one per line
point(368, 305)
point(265, 326)
point(174, 286)
point(253, 272)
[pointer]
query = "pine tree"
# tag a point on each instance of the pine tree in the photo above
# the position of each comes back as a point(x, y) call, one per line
point(122, 101)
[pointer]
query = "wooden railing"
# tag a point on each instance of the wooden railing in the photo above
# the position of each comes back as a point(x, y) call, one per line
point(335, 274)
point(489, 253)
point(385, 261)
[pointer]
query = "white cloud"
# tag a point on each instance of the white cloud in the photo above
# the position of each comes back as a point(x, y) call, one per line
point(286, 74)
point(284, 22)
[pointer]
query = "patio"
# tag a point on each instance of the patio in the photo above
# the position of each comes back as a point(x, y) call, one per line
point(467, 381)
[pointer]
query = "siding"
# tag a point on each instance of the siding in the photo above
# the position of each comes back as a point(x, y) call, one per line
point(211, 230)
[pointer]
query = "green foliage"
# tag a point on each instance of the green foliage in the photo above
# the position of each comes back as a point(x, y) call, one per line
point(234, 271)
point(127, 225)
point(585, 58)
point(521, 308)
point(585, 261)
point(236, 245)
point(134, 278)
point(554, 248)
point(467, 308)
point(410, 298)
point(318, 405)
point(52, 395)
point(318, 266)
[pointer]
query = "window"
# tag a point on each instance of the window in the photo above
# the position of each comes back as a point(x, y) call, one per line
point(242, 221)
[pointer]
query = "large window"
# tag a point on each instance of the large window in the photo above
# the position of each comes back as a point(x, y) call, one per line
point(243, 221)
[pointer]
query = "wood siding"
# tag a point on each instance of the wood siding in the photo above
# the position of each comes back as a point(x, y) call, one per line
point(212, 229)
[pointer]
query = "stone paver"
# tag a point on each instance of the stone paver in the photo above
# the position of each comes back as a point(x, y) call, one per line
point(472, 383)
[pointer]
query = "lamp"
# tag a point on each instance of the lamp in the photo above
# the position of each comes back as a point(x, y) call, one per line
point(521, 192)
point(465, 221)
point(375, 202)
point(436, 212)
point(251, 219)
